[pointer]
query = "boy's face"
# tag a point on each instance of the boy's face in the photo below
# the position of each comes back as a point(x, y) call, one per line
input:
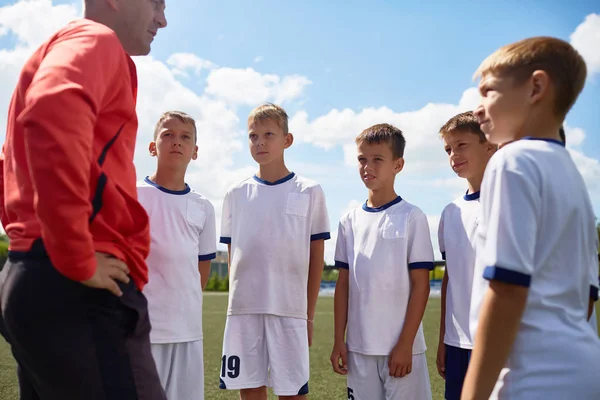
point(267, 141)
point(468, 156)
point(503, 109)
point(377, 166)
point(175, 143)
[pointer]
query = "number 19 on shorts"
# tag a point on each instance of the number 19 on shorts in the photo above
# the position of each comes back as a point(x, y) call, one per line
point(230, 366)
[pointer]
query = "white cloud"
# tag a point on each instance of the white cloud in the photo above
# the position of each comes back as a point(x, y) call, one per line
point(586, 39)
point(424, 152)
point(183, 62)
point(258, 59)
point(574, 136)
point(249, 87)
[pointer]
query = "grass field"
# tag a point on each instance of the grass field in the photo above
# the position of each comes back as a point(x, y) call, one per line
point(324, 384)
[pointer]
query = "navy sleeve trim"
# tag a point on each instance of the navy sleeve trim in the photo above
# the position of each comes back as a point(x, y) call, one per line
point(226, 240)
point(444, 255)
point(342, 265)
point(507, 276)
point(320, 236)
point(593, 293)
point(207, 257)
point(421, 265)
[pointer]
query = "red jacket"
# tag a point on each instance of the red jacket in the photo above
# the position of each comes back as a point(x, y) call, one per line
point(67, 164)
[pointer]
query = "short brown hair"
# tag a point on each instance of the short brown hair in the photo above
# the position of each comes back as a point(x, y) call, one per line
point(181, 116)
point(563, 64)
point(270, 111)
point(384, 133)
point(463, 122)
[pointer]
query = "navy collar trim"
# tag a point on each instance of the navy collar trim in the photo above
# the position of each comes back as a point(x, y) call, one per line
point(277, 182)
point(472, 196)
point(558, 142)
point(383, 207)
point(162, 189)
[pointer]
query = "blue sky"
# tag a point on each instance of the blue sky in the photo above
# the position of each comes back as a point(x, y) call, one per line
point(337, 67)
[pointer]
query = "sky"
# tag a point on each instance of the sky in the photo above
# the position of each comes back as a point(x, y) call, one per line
point(337, 67)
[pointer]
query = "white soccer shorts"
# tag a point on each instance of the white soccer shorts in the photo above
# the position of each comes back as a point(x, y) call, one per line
point(181, 369)
point(369, 379)
point(265, 350)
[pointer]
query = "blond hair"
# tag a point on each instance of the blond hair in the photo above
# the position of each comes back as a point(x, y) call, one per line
point(384, 133)
point(270, 111)
point(181, 116)
point(563, 64)
point(463, 122)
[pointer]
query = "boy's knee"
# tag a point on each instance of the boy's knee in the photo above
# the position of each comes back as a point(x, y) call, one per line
point(259, 393)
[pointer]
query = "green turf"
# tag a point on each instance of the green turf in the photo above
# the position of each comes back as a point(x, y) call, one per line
point(324, 384)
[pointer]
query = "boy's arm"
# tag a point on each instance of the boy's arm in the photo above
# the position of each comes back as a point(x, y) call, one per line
point(315, 275)
point(61, 109)
point(319, 232)
point(441, 354)
point(420, 262)
point(339, 354)
point(204, 269)
point(499, 321)
point(207, 243)
point(510, 217)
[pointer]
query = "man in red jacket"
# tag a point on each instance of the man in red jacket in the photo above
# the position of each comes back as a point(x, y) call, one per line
point(70, 294)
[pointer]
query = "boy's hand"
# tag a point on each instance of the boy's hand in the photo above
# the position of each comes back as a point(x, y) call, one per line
point(400, 360)
point(441, 359)
point(339, 353)
point(108, 270)
point(310, 327)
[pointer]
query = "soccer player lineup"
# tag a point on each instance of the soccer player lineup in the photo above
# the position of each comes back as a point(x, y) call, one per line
point(103, 293)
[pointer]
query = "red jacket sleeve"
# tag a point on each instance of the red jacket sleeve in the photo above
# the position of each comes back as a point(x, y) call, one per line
point(62, 105)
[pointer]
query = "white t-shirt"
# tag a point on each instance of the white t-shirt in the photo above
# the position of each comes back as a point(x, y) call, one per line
point(380, 246)
point(182, 229)
point(537, 230)
point(270, 227)
point(456, 236)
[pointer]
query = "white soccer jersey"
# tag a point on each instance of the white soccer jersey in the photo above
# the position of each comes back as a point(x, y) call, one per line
point(270, 226)
point(537, 230)
point(380, 246)
point(182, 229)
point(456, 236)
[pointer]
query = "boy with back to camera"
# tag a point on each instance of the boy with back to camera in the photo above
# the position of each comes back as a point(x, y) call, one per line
point(182, 228)
point(468, 152)
point(384, 253)
point(536, 273)
point(275, 224)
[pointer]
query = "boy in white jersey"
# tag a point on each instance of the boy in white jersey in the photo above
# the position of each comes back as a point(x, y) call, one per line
point(274, 224)
point(468, 152)
point(182, 228)
point(384, 253)
point(536, 269)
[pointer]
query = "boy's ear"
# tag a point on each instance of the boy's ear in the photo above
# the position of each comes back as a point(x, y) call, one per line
point(398, 165)
point(491, 148)
point(289, 139)
point(195, 153)
point(540, 85)
point(152, 148)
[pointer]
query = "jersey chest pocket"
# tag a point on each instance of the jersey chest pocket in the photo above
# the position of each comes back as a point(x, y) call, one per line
point(194, 213)
point(297, 204)
point(394, 226)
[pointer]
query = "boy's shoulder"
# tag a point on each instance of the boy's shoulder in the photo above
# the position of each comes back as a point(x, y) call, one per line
point(199, 198)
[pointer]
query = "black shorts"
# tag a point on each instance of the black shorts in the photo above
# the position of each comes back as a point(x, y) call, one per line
point(74, 342)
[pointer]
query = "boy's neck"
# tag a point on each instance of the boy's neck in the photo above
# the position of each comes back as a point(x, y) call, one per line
point(170, 179)
point(542, 126)
point(273, 171)
point(381, 197)
point(474, 184)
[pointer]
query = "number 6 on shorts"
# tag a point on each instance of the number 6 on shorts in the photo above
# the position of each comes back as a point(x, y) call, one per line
point(231, 366)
